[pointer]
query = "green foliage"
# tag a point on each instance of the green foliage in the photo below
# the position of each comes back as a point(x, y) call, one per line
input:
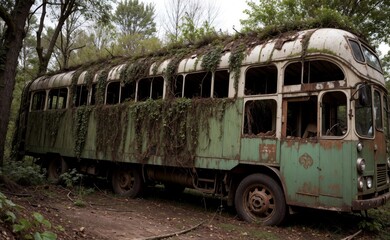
point(192, 34)
point(134, 17)
point(236, 57)
point(36, 227)
point(71, 178)
point(24, 172)
point(81, 120)
point(370, 225)
point(370, 16)
point(211, 59)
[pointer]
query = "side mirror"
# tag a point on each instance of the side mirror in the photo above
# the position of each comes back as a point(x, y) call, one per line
point(365, 95)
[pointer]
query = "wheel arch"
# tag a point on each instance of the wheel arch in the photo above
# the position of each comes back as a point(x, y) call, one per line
point(243, 170)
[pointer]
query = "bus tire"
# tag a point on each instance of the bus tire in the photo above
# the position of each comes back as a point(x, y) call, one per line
point(260, 199)
point(56, 166)
point(127, 182)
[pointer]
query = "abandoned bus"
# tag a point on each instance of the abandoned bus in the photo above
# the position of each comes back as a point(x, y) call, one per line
point(300, 120)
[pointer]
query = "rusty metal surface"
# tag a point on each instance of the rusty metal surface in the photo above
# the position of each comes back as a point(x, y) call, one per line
point(371, 203)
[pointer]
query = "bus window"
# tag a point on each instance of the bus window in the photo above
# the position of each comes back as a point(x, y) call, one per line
point(321, 71)
point(378, 110)
point(363, 115)
point(293, 74)
point(112, 94)
point(57, 98)
point(221, 84)
point(301, 117)
point(157, 88)
point(38, 101)
point(334, 114)
point(197, 85)
point(81, 95)
point(128, 92)
point(260, 118)
point(144, 89)
point(386, 116)
point(178, 86)
point(371, 59)
point(357, 51)
point(313, 72)
point(261, 80)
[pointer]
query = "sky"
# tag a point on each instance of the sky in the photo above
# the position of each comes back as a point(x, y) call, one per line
point(230, 12)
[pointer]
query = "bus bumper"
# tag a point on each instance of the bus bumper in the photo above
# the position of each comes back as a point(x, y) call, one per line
point(371, 203)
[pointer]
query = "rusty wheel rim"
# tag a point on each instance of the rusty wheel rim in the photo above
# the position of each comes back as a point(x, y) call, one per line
point(259, 202)
point(125, 181)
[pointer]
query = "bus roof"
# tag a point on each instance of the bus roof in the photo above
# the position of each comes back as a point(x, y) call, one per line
point(292, 45)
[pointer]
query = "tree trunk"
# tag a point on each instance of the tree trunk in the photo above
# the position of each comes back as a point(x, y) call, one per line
point(11, 47)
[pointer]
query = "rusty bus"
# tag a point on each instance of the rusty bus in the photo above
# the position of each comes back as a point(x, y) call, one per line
point(300, 120)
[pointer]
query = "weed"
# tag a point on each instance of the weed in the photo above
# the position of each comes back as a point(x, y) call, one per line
point(24, 172)
point(71, 177)
point(34, 227)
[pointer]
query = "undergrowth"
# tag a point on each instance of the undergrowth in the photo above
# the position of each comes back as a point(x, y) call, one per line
point(34, 226)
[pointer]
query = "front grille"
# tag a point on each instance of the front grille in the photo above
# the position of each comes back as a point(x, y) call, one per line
point(381, 175)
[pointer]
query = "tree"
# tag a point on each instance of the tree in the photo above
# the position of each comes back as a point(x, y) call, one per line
point(61, 10)
point(133, 18)
point(371, 17)
point(181, 12)
point(14, 14)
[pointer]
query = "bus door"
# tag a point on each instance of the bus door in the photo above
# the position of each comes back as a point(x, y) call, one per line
point(299, 150)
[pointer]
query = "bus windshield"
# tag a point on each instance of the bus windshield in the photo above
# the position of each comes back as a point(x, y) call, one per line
point(363, 113)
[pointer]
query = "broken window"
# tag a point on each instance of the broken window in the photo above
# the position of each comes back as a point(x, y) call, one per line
point(221, 84)
point(144, 89)
point(261, 80)
point(81, 95)
point(150, 88)
point(38, 101)
point(260, 117)
point(112, 93)
point(177, 86)
point(128, 92)
point(301, 117)
point(157, 88)
point(312, 72)
point(57, 98)
point(334, 114)
point(197, 85)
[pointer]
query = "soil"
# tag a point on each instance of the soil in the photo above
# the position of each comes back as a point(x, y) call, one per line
point(93, 212)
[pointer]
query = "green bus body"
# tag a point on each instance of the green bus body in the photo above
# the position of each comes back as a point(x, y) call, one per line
point(255, 149)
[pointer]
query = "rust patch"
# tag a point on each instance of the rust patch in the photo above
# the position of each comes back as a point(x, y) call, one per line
point(267, 153)
point(331, 144)
point(306, 160)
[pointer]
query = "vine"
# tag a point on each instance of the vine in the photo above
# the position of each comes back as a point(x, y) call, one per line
point(211, 59)
point(101, 86)
point(81, 120)
point(235, 59)
point(52, 122)
point(111, 128)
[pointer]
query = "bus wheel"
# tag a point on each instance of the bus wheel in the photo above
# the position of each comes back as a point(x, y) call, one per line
point(127, 182)
point(55, 168)
point(259, 198)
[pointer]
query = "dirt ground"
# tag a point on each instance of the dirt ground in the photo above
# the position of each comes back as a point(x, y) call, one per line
point(98, 214)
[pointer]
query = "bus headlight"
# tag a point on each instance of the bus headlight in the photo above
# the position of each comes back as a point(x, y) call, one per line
point(360, 165)
point(360, 183)
point(359, 146)
point(388, 163)
point(369, 182)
